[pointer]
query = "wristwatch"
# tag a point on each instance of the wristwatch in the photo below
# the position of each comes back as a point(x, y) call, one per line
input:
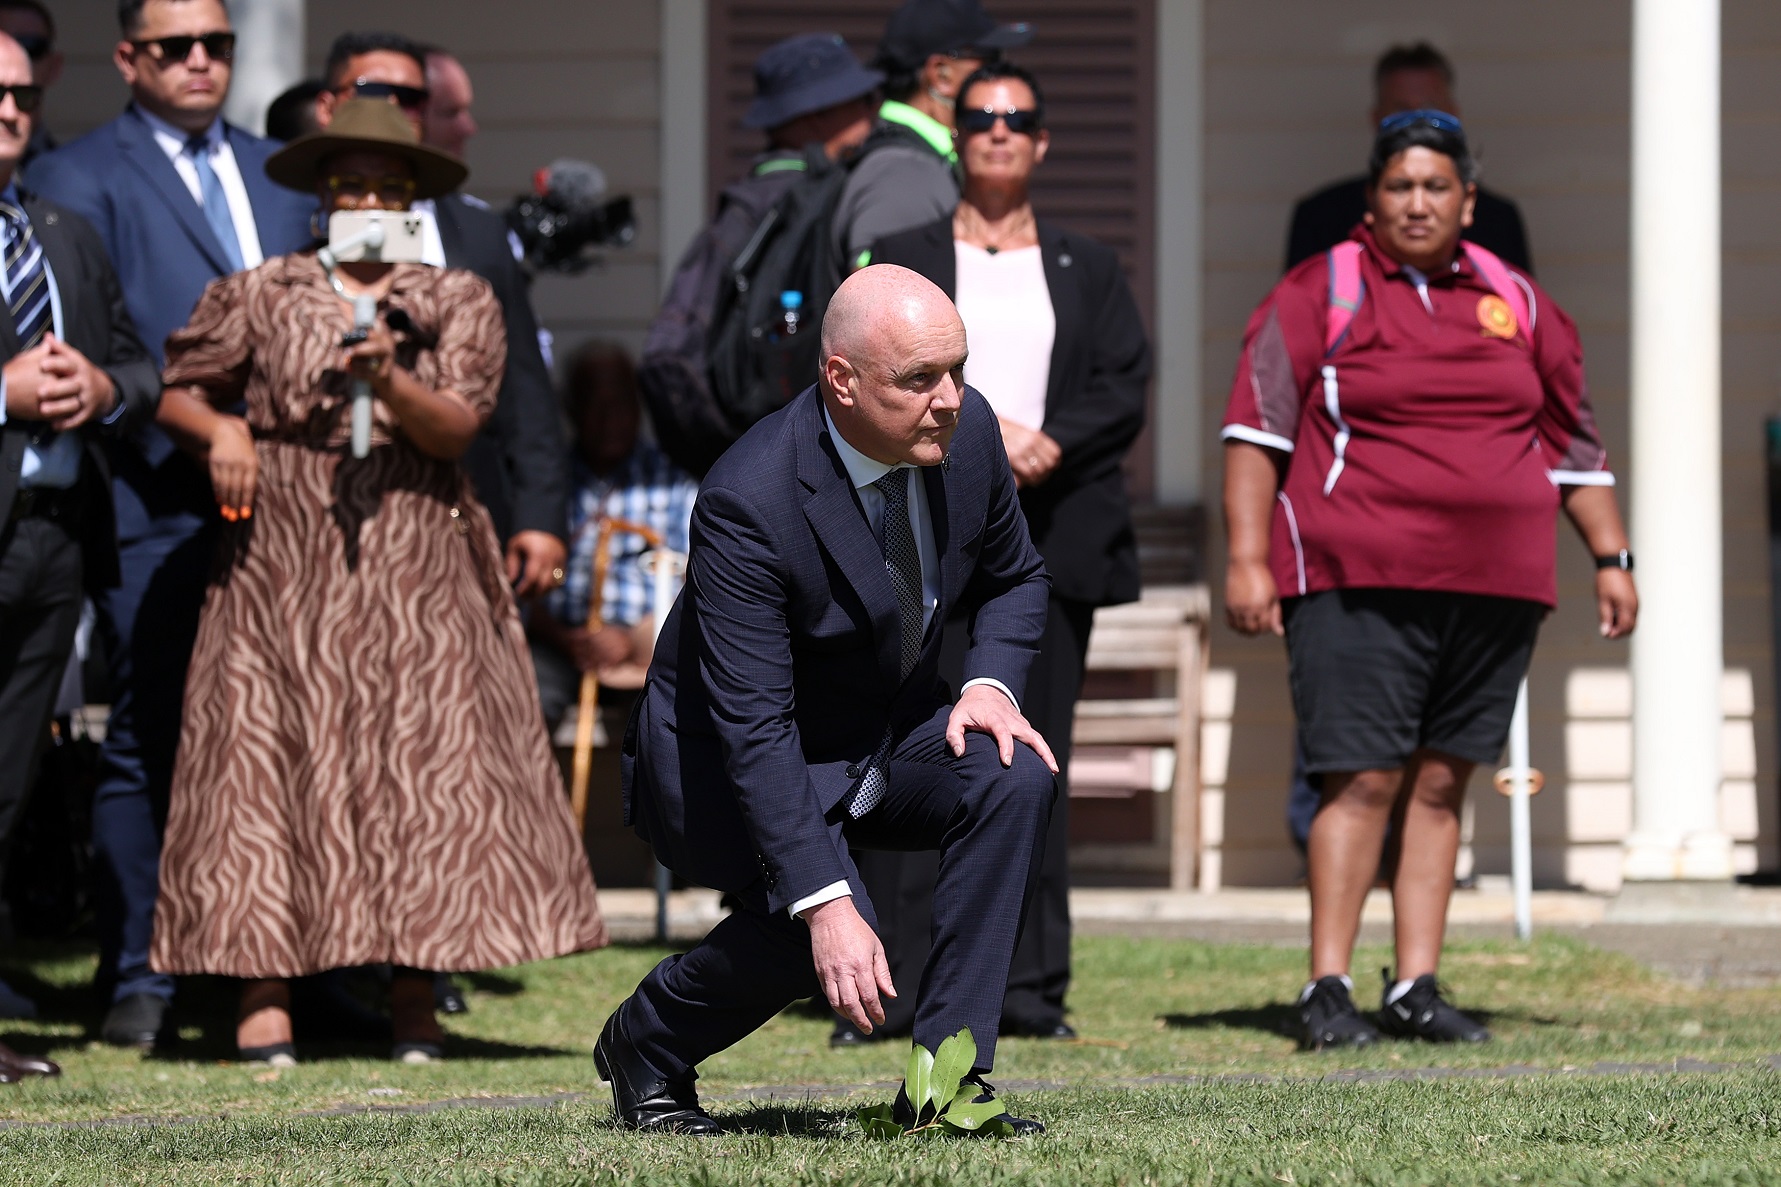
point(1622, 560)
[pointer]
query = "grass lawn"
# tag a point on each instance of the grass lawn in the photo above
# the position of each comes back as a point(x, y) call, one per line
point(1218, 1014)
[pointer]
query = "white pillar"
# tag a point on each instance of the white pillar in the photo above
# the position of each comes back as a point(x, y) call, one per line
point(1677, 653)
point(683, 84)
point(268, 57)
point(1180, 189)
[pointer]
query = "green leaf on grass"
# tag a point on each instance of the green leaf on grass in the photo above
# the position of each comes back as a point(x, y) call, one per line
point(918, 1078)
point(972, 1116)
point(952, 1063)
point(879, 1123)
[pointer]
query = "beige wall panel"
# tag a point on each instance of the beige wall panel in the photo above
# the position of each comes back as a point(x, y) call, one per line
point(556, 92)
point(588, 29)
point(1545, 90)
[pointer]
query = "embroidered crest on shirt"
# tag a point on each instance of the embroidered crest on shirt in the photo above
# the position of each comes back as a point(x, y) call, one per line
point(1496, 317)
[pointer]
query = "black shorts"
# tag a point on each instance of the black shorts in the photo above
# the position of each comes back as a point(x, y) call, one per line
point(1378, 674)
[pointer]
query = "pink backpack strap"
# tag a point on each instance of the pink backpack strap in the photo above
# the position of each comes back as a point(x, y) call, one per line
point(1346, 290)
point(1502, 282)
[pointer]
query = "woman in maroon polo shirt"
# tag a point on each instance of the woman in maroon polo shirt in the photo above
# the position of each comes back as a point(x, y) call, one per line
point(1409, 414)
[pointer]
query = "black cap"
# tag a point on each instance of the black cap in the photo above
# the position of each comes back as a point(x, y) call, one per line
point(803, 74)
point(920, 28)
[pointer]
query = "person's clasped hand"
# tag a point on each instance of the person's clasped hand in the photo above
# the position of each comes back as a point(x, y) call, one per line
point(1032, 454)
point(56, 383)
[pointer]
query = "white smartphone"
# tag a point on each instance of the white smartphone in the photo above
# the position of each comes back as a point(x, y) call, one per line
point(350, 230)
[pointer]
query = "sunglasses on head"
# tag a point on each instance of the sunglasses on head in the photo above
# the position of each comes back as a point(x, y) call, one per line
point(36, 47)
point(218, 47)
point(1021, 123)
point(410, 97)
point(24, 95)
point(1425, 117)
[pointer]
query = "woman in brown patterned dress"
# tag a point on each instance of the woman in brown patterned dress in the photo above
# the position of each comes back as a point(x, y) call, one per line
point(362, 775)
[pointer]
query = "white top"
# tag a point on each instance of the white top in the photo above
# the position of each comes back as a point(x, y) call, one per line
point(1010, 325)
point(863, 471)
point(173, 142)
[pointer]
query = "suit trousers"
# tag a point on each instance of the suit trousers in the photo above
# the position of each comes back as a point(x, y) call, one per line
point(148, 626)
point(40, 596)
point(988, 823)
point(902, 884)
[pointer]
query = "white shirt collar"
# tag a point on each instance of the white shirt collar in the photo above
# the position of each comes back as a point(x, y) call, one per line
point(862, 470)
point(166, 133)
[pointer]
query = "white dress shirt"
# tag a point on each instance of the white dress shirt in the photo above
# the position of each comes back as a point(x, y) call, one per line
point(863, 471)
point(176, 145)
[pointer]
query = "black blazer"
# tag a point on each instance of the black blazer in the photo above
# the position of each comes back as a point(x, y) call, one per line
point(519, 463)
point(778, 669)
point(1081, 517)
point(96, 322)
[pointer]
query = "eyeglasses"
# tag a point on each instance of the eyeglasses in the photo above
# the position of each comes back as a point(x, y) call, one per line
point(1427, 117)
point(218, 47)
point(36, 47)
point(24, 95)
point(391, 191)
point(405, 97)
point(1021, 123)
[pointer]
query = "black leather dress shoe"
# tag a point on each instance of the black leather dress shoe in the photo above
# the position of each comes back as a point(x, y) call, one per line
point(641, 1096)
point(1038, 1028)
point(15, 1067)
point(135, 1021)
point(903, 1113)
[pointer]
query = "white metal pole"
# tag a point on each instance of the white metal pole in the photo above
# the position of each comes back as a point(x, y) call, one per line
point(1678, 652)
point(1521, 846)
point(268, 57)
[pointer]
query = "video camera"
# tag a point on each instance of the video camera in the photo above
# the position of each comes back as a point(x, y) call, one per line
point(565, 219)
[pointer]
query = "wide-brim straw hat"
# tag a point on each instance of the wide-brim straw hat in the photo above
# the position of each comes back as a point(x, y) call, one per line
point(374, 125)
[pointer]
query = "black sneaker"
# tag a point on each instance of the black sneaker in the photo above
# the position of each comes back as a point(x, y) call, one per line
point(1330, 1020)
point(1422, 1013)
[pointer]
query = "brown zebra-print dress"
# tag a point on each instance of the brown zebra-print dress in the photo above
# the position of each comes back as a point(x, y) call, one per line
point(363, 773)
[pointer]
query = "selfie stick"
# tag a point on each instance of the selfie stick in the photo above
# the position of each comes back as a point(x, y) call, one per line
point(364, 316)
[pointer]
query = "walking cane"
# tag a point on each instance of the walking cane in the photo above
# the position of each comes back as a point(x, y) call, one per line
point(590, 683)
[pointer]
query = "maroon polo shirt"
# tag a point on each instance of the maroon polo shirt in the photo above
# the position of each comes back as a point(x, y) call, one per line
point(1426, 451)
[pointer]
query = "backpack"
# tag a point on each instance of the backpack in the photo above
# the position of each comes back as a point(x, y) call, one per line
point(1347, 289)
point(714, 361)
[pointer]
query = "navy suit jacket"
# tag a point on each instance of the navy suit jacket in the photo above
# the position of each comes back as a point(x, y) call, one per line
point(777, 671)
point(165, 253)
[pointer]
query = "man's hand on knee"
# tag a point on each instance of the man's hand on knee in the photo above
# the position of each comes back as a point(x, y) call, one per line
point(987, 710)
point(850, 962)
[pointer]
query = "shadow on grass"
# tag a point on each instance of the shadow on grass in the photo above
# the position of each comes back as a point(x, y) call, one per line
point(1282, 1019)
point(790, 1120)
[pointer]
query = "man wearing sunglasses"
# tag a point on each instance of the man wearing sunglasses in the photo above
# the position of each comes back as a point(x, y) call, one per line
point(906, 176)
point(180, 198)
point(75, 377)
point(30, 23)
point(518, 462)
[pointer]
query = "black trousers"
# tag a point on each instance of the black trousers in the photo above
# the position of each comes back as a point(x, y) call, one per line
point(902, 884)
point(40, 593)
point(988, 823)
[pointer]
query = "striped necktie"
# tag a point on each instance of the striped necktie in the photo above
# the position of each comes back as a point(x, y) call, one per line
point(903, 563)
point(27, 281)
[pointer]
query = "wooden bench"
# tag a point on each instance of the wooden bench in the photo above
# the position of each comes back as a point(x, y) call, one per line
point(1161, 638)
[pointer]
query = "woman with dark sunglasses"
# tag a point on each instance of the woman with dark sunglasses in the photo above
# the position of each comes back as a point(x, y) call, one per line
point(1059, 351)
point(1409, 415)
point(363, 773)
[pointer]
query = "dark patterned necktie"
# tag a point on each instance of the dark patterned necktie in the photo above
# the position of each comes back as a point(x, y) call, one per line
point(27, 281)
point(903, 563)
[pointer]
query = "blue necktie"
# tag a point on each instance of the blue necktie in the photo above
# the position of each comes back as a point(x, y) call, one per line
point(903, 563)
point(27, 282)
point(216, 203)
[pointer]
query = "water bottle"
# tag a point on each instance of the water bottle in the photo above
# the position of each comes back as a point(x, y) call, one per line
point(790, 303)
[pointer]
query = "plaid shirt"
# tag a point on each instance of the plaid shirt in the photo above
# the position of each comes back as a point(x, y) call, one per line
point(646, 488)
